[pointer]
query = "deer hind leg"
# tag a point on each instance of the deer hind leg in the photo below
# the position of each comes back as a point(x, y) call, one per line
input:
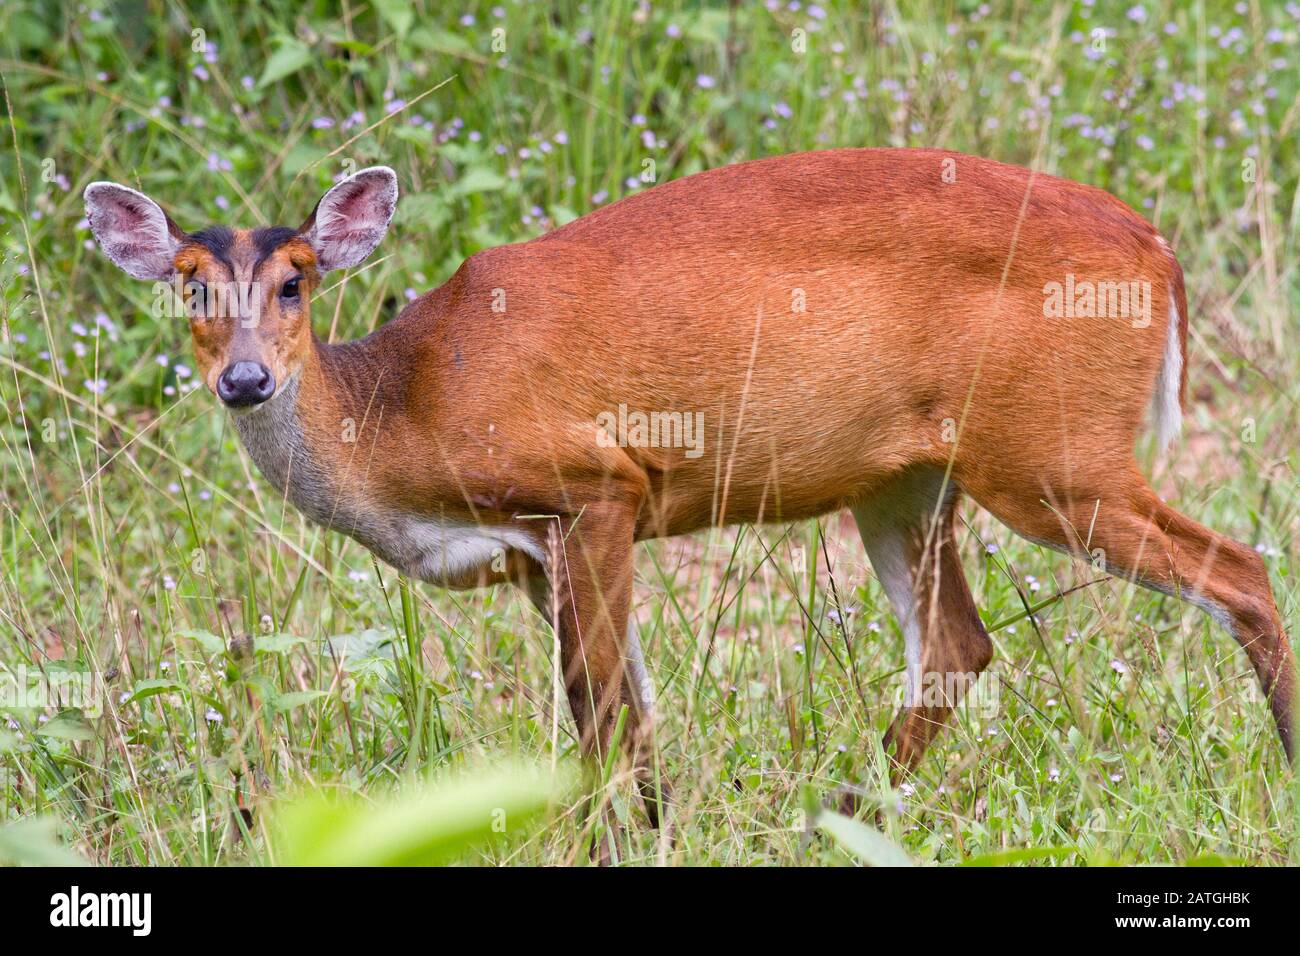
point(1141, 538)
point(908, 535)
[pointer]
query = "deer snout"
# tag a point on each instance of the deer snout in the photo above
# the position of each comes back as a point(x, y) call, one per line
point(244, 384)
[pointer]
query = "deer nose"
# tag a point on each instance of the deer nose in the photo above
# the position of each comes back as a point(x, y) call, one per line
point(243, 384)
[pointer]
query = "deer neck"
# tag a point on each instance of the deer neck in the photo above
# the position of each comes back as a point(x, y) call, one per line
point(275, 434)
point(288, 437)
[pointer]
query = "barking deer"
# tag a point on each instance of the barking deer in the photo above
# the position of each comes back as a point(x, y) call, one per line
point(882, 330)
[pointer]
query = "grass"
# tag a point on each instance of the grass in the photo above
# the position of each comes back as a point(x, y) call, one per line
point(138, 547)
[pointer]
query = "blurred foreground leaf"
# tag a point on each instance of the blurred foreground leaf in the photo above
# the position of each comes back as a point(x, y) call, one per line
point(866, 843)
point(424, 824)
point(35, 842)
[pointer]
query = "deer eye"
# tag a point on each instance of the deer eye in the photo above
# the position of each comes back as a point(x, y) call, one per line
point(196, 299)
point(290, 290)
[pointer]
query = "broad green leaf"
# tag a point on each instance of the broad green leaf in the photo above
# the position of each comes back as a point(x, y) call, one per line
point(562, 214)
point(286, 702)
point(35, 842)
point(277, 643)
point(866, 843)
point(291, 57)
point(440, 41)
point(1215, 859)
point(67, 725)
point(425, 824)
point(205, 639)
point(709, 26)
point(398, 14)
point(1022, 855)
point(151, 687)
point(361, 644)
point(478, 179)
point(302, 156)
point(427, 211)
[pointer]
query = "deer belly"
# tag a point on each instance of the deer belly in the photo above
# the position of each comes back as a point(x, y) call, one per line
point(445, 552)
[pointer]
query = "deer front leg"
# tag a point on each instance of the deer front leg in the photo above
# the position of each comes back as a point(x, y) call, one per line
point(640, 741)
point(638, 692)
point(590, 575)
point(586, 595)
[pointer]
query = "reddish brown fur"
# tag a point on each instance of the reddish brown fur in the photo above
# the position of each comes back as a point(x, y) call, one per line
point(282, 337)
point(924, 307)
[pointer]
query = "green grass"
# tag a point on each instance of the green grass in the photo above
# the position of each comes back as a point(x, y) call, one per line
point(137, 541)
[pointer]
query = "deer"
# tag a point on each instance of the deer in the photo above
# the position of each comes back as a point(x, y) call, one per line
point(880, 330)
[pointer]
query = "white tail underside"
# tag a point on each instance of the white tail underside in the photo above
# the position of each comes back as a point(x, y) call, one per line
point(1166, 404)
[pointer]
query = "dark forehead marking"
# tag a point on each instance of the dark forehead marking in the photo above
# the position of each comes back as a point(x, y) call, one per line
point(269, 238)
point(218, 240)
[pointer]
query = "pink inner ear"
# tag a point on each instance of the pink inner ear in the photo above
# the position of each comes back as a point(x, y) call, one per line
point(131, 229)
point(127, 214)
point(356, 207)
point(352, 218)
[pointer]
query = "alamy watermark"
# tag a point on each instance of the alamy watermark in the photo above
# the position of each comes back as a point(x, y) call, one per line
point(980, 694)
point(24, 689)
point(1086, 299)
point(180, 299)
point(637, 429)
point(133, 911)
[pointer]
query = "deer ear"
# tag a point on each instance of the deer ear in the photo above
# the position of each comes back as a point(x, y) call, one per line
point(132, 230)
point(351, 219)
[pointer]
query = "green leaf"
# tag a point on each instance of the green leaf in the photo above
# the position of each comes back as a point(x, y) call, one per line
point(35, 842)
point(428, 211)
point(440, 41)
point(1215, 859)
point(709, 26)
point(302, 156)
point(864, 842)
point(423, 825)
point(398, 14)
point(205, 639)
point(277, 643)
point(67, 725)
point(292, 56)
point(287, 702)
point(151, 687)
point(478, 179)
point(362, 644)
point(1022, 855)
point(562, 215)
